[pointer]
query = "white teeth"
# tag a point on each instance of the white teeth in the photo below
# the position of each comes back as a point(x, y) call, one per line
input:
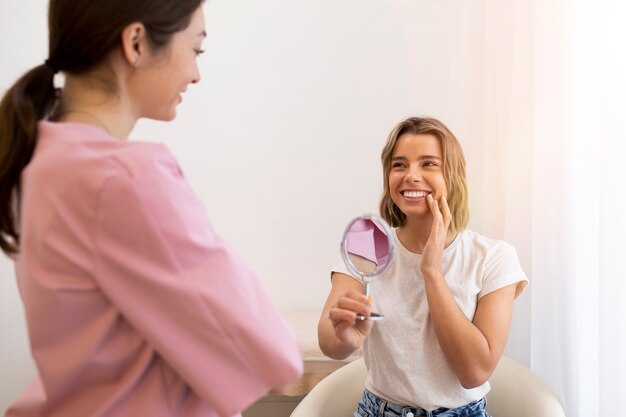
point(415, 194)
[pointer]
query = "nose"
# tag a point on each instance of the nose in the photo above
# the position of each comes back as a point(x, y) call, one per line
point(413, 175)
point(196, 74)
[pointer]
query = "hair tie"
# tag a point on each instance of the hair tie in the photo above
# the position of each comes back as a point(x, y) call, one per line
point(51, 65)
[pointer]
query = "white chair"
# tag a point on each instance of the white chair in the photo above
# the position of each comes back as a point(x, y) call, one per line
point(515, 392)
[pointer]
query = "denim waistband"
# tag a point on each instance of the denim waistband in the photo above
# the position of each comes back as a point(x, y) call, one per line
point(373, 402)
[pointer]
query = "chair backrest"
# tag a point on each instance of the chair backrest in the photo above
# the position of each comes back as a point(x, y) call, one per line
point(515, 392)
point(336, 395)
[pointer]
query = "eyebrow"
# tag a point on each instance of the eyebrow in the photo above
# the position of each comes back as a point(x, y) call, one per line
point(202, 34)
point(420, 158)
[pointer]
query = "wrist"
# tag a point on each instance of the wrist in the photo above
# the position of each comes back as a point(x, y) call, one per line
point(431, 272)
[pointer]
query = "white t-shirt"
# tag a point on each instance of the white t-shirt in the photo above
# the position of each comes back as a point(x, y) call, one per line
point(405, 362)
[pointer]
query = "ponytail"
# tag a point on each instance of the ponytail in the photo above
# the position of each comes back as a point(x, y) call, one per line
point(32, 98)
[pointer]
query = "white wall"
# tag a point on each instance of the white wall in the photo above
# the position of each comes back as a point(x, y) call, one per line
point(282, 137)
point(22, 44)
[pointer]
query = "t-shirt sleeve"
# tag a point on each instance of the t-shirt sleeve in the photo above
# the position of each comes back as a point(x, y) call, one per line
point(502, 268)
point(187, 292)
point(340, 266)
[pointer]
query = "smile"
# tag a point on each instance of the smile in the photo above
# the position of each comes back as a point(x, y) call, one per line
point(414, 194)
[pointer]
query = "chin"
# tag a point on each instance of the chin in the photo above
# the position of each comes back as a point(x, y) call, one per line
point(416, 213)
point(167, 117)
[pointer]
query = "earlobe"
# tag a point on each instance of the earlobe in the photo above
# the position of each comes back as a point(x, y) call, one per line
point(133, 40)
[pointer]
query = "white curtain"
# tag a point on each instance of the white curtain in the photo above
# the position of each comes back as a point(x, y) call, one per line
point(497, 133)
point(553, 97)
point(578, 330)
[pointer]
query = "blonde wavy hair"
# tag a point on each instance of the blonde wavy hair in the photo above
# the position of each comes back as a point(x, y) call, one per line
point(453, 170)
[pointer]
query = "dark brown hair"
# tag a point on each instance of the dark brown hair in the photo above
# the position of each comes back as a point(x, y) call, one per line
point(453, 170)
point(82, 33)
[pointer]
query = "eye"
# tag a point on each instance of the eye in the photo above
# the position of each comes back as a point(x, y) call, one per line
point(397, 165)
point(429, 164)
point(199, 51)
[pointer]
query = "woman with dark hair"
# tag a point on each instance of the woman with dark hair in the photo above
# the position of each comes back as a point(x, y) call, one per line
point(134, 306)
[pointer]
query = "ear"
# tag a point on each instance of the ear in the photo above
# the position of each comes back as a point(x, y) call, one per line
point(134, 43)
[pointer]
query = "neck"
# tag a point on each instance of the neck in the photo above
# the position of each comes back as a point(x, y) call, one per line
point(415, 233)
point(85, 100)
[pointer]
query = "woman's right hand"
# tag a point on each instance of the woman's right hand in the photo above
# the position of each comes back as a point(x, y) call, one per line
point(339, 331)
point(348, 328)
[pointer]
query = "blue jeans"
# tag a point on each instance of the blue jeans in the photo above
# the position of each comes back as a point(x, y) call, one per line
point(373, 406)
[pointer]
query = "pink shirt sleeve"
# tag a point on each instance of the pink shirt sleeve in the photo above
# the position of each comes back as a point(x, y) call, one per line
point(187, 293)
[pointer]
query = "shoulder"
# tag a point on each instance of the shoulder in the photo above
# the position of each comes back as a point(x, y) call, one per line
point(492, 256)
point(149, 175)
point(141, 163)
point(487, 247)
point(498, 260)
point(77, 155)
point(140, 160)
point(146, 178)
point(147, 168)
point(74, 163)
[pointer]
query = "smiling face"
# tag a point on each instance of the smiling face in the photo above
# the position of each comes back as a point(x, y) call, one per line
point(412, 140)
point(416, 171)
point(157, 86)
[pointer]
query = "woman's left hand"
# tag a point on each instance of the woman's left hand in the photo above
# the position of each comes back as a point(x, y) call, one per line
point(433, 251)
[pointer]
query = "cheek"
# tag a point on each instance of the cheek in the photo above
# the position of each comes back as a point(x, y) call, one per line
point(443, 189)
point(394, 180)
point(439, 186)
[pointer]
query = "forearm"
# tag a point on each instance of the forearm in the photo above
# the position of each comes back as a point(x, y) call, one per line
point(465, 347)
point(330, 344)
point(339, 332)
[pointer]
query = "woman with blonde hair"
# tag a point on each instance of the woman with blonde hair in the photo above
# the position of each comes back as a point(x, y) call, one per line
point(134, 306)
point(447, 296)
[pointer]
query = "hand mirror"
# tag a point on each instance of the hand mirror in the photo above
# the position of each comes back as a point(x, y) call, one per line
point(367, 249)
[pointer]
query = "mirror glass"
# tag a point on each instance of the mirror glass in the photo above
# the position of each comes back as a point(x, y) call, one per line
point(367, 249)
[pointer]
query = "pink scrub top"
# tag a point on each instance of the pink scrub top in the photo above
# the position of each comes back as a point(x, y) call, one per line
point(135, 307)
